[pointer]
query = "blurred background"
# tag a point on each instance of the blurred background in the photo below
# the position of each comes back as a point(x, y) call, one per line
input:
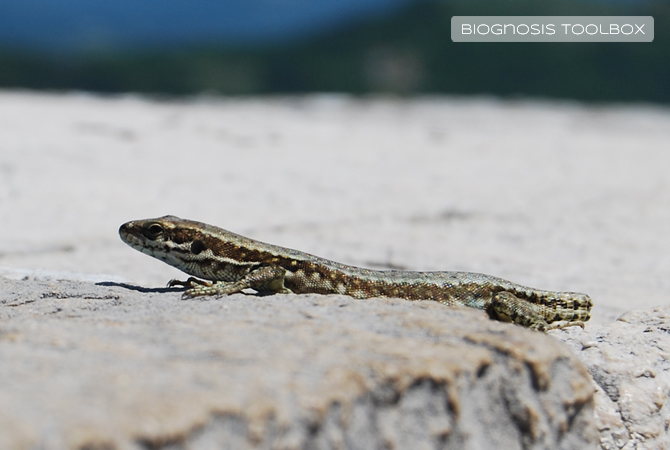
point(251, 47)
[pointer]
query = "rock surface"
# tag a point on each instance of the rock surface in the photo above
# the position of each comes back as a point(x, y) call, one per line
point(113, 366)
point(629, 361)
point(553, 195)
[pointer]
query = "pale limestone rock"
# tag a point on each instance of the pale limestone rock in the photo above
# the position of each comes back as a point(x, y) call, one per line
point(112, 366)
point(629, 363)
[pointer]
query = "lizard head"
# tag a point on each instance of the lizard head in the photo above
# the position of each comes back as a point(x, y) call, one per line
point(162, 236)
point(196, 248)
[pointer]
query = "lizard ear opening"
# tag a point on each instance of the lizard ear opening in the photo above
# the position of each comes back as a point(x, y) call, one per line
point(197, 247)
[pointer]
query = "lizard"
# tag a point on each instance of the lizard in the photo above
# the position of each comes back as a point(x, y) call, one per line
point(221, 262)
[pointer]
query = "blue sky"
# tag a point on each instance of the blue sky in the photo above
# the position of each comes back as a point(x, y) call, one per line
point(90, 24)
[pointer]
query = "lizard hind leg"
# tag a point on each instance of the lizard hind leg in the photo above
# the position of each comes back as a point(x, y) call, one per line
point(506, 307)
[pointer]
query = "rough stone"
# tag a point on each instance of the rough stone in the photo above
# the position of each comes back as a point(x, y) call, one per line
point(115, 366)
point(629, 363)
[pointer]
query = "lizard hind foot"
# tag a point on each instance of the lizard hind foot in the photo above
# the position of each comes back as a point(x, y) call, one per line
point(507, 307)
point(565, 324)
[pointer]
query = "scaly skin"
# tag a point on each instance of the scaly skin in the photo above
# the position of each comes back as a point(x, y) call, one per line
point(229, 263)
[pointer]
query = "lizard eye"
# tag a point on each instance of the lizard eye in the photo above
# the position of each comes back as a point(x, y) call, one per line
point(154, 231)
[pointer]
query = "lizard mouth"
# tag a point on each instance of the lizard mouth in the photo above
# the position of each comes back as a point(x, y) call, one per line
point(129, 234)
point(126, 231)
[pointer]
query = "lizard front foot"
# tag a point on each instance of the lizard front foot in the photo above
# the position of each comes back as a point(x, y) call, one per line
point(192, 282)
point(195, 287)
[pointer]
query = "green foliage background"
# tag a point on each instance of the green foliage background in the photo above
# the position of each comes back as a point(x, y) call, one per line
point(409, 52)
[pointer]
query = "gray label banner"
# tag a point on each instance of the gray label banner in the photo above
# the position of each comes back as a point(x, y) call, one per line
point(552, 28)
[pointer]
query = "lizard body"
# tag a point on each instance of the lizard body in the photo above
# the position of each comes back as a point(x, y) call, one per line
point(233, 263)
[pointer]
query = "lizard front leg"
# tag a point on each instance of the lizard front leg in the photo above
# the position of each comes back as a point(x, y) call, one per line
point(192, 282)
point(262, 279)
